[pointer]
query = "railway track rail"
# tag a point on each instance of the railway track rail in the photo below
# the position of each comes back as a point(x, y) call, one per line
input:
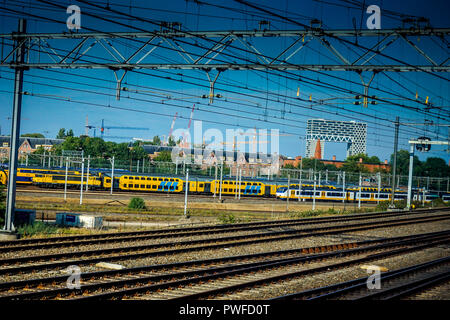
point(41, 262)
point(42, 243)
point(195, 279)
point(396, 284)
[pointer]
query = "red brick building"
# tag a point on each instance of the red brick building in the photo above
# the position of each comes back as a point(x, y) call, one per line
point(371, 167)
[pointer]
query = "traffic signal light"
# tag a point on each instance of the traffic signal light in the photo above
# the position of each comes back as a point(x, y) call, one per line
point(423, 147)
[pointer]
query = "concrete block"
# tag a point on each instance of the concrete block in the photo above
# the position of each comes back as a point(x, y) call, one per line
point(108, 265)
point(5, 235)
point(382, 269)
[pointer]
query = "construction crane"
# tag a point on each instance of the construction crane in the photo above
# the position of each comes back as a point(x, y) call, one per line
point(171, 128)
point(184, 142)
point(103, 127)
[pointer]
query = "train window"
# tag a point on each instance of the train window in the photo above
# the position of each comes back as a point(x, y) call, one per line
point(165, 179)
point(159, 179)
point(131, 178)
point(154, 186)
point(335, 194)
point(142, 186)
point(171, 188)
point(201, 185)
point(108, 180)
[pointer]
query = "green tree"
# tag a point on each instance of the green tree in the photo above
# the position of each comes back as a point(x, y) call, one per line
point(315, 164)
point(69, 133)
point(403, 163)
point(61, 134)
point(354, 166)
point(156, 141)
point(164, 156)
point(365, 158)
point(374, 160)
point(39, 150)
point(171, 142)
point(435, 167)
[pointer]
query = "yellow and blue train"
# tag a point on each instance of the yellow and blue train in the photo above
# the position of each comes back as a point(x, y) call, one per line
point(97, 180)
point(353, 194)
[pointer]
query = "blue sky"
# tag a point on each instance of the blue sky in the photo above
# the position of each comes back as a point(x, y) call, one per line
point(48, 109)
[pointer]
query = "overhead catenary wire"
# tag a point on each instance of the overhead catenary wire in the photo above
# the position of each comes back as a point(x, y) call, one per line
point(355, 118)
point(235, 92)
point(149, 21)
point(186, 32)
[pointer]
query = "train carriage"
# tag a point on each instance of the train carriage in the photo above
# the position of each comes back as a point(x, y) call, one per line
point(26, 175)
point(149, 184)
point(245, 188)
point(446, 197)
point(352, 194)
point(73, 181)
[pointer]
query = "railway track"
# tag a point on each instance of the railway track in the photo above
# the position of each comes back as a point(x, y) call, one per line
point(207, 278)
point(147, 194)
point(22, 264)
point(396, 284)
point(42, 243)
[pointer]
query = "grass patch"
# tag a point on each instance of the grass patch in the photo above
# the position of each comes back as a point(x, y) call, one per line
point(148, 214)
point(329, 212)
point(227, 218)
point(41, 228)
point(315, 213)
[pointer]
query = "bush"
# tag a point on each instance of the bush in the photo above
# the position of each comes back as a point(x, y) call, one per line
point(227, 218)
point(438, 202)
point(136, 203)
point(384, 205)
